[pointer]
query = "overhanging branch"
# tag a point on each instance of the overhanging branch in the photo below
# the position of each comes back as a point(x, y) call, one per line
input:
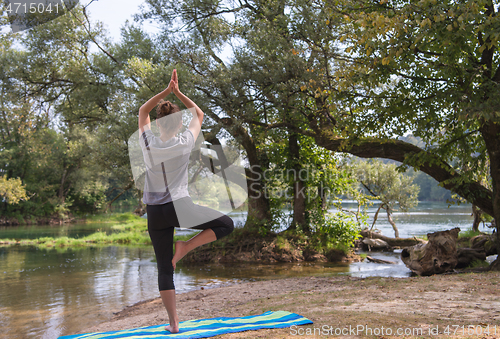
point(400, 151)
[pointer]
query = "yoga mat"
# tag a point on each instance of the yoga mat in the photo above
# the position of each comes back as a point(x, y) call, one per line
point(204, 328)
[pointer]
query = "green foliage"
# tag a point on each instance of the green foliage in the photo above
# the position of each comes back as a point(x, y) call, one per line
point(125, 217)
point(63, 208)
point(386, 184)
point(429, 188)
point(344, 74)
point(338, 231)
point(12, 190)
point(334, 231)
point(322, 172)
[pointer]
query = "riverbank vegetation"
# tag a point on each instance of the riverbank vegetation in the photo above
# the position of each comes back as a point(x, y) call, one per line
point(127, 229)
point(289, 99)
point(332, 241)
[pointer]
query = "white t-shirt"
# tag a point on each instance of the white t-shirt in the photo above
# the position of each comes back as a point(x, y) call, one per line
point(167, 167)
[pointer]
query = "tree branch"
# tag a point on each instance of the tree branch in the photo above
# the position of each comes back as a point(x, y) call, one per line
point(400, 151)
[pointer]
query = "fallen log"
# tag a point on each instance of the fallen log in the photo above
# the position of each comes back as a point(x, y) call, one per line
point(467, 255)
point(380, 261)
point(438, 255)
point(376, 244)
point(393, 242)
point(485, 242)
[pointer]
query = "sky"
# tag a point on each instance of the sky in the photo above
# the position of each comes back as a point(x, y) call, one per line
point(114, 13)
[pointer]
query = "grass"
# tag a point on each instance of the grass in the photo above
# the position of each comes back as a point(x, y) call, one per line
point(469, 233)
point(113, 217)
point(129, 229)
point(464, 237)
point(478, 263)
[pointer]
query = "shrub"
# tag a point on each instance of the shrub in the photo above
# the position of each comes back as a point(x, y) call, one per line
point(338, 230)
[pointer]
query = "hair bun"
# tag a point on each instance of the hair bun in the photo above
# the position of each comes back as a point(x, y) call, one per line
point(164, 108)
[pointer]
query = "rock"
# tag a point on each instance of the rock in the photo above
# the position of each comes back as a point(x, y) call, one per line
point(438, 255)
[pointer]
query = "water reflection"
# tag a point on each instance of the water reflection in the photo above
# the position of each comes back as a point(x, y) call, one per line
point(46, 294)
point(76, 230)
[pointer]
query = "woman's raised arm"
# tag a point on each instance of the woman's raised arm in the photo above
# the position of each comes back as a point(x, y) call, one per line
point(144, 121)
point(195, 124)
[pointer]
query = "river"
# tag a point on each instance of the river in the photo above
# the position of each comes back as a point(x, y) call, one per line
point(49, 293)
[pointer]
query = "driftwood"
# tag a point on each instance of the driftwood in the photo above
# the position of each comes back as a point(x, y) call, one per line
point(485, 242)
point(392, 242)
point(376, 244)
point(467, 255)
point(438, 255)
point(380, 261)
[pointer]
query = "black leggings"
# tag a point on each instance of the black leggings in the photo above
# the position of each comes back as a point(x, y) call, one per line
point(161, 222)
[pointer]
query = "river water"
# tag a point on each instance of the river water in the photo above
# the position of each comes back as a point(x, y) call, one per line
point(49, 293)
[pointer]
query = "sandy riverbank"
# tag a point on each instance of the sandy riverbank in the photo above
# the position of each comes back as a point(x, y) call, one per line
point(335, 303)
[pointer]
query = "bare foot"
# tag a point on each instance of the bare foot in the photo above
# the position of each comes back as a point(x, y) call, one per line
point(172, 329)
point(179, 252)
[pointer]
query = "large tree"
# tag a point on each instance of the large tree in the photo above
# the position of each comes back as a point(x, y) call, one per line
point(431, 69)
point(368, 73)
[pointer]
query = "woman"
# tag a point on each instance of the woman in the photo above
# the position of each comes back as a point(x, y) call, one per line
point(165, 207)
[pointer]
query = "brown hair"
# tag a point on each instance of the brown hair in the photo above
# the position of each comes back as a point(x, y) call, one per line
point(165, 108)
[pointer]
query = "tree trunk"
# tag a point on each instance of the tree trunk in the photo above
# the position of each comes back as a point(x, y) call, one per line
point(258, 203)
point(393, 224)
point(476, 212)
point(299, 205)
point(299, 195)
point(375, 217)
point(62, 197)
point(259, 212)
point(491, 135)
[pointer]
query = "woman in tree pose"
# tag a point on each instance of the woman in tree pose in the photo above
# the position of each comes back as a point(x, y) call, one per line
point(161, 214)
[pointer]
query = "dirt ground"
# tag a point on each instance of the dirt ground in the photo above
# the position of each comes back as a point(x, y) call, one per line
point(343, 306)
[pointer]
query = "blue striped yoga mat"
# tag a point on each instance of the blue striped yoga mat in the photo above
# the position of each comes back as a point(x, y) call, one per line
point(204, 328)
